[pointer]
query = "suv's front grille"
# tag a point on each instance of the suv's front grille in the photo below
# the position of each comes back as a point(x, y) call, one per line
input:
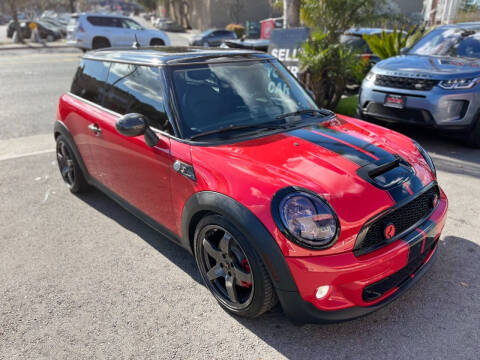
point(402, 218)
point(399, 82)
point(381, 111)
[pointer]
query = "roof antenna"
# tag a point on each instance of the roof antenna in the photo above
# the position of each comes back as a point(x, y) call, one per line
point(136, 44)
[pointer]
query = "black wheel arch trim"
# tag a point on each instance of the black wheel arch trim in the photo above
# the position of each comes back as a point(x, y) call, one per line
point(61, 129)
point(249, 224)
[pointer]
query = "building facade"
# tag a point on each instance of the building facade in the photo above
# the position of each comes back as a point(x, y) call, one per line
point(206, 14)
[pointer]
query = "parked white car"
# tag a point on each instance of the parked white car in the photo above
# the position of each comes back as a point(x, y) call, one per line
point(95, 31)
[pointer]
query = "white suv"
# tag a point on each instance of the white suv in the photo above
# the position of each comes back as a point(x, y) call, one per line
point(95, 31)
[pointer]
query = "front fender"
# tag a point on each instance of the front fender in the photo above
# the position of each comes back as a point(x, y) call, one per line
point(245, 221)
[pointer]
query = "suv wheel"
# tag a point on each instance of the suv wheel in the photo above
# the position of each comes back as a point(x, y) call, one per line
point(231, 268)
point(69, 168)
point(157, 42)
point(474, 136)
point(100, 43)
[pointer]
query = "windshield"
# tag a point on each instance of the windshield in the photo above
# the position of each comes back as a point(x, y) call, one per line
point(454, 42)
point(215, 96)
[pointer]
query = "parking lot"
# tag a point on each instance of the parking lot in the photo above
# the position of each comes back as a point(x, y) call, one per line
point(82, 278)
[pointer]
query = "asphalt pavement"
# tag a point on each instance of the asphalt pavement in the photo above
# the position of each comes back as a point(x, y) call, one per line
point(82, 278)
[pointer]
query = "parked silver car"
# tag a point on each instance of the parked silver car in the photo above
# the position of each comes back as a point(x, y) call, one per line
point(435, 83)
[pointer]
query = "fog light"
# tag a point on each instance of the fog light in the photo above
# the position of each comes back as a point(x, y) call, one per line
point(322, 291)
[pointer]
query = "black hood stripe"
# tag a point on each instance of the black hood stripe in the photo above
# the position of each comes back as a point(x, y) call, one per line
point(329, 142)
point(359, 151)
point(355, 149)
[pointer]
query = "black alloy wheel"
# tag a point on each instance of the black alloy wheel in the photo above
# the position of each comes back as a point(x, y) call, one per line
point(226, 266)
point(231, 269)
point(69, 169)
point(65, 163)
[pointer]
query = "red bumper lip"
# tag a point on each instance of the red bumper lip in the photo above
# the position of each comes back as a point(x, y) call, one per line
point(350, 277)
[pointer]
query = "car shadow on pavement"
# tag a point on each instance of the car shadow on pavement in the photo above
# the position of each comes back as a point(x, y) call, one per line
point(175, 253)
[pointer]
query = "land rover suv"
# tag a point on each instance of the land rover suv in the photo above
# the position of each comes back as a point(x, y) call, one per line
point(434, 84)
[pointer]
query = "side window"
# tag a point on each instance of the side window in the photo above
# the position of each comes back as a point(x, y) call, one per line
point(130, 24)
point(89, 80)
point(104, 21)
point(137, 89)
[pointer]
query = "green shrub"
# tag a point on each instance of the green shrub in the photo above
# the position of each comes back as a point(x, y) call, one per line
point(325, 68)
point(390, 44)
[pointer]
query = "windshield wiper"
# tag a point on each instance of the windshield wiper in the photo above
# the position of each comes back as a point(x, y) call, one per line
point(240, 127)
point(305, 111)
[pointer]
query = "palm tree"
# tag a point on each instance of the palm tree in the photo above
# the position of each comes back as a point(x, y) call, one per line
point(291, 13)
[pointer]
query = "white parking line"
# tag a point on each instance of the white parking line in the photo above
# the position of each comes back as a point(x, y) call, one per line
point(16, 148)
point(17, 156)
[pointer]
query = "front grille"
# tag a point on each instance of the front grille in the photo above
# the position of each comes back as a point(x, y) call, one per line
point(402, 218)
point(399, 82)
point(402, 115)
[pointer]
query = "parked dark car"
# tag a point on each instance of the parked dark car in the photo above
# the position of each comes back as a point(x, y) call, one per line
point(354, 39)
point(26, 32)
point(250, 44)
point(56, 25)
point(212, 37)
point(45, 30)
point(171, 26)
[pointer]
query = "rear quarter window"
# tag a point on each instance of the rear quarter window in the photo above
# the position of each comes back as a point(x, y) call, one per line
point(89, 80)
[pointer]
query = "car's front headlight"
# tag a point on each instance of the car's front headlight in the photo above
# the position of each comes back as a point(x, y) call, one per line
point(458, 83)
point(305, 218)
point(370, 76)
point(427, 158)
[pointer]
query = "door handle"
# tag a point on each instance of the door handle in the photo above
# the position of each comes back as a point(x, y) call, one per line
point(95, 128)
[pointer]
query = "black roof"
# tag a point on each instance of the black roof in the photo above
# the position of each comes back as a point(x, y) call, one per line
point(171, 55)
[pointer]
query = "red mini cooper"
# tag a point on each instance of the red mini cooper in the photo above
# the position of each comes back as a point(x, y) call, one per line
point(226, 154)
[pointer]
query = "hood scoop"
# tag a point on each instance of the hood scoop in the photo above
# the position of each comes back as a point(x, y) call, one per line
point(387, 175)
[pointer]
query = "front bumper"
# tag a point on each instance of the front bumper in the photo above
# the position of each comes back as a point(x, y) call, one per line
point(360, 285)
point(438, 108)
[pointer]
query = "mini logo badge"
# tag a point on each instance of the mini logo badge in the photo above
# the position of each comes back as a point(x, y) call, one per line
point(389, 231)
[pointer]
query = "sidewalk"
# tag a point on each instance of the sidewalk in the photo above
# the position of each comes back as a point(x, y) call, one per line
point(33, 45)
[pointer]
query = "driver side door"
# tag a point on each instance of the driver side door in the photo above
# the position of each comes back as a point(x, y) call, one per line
point(127, 166)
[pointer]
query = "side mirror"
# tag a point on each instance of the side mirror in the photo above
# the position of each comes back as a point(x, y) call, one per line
point(404, 50)
point(131, 125)
point(135, 125)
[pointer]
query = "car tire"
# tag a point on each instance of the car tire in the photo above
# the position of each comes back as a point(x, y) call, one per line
point(69, 167)
point(231, 268)
point(157, 42)
point(100, 43)
point(474, 135)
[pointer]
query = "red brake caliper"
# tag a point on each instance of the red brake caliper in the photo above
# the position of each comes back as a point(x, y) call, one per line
point(246, 267)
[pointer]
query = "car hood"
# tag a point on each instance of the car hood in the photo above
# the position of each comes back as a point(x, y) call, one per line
point(326, 158)
point(433, 67)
